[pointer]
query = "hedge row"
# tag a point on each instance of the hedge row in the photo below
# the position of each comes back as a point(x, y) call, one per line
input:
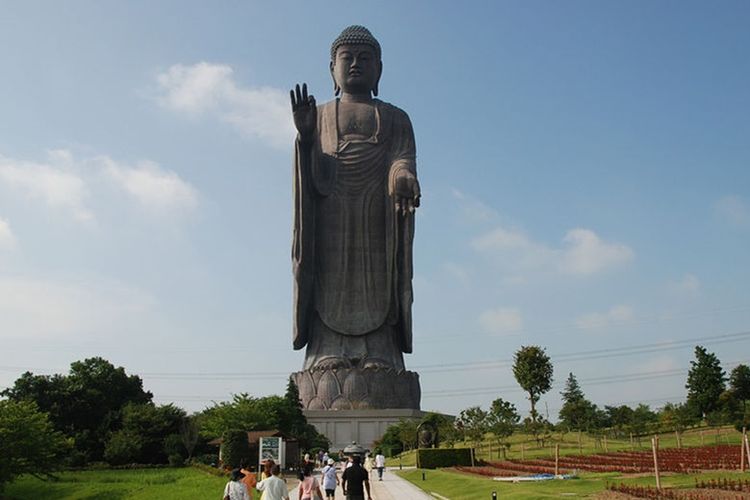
point(433, 458)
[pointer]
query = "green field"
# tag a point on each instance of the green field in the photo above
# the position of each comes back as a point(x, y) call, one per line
point(163, 484)
point(523, 445)
point(459, 486)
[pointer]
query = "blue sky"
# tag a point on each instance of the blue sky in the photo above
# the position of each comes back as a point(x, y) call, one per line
point(584, 168)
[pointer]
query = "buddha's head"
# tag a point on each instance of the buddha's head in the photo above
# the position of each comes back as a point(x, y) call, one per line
point(355, 62)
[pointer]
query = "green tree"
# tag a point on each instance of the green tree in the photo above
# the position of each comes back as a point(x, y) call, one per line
point(445, 427)
point(242, 412)
point(640, 420)
point(739, 382)
point(294, 423)
point(407, 434)
point(705, 382)
point(577, 413)
point(123, 447)
point(86, 403)
point(473, 422)
point(533, 371)
point(249, 413)
point(676, 417)
point(390, 443)
point(397, 438)
point(502, 420)
point(152, 424)
point(28, 442)
point(618, 418)
point(235, 448)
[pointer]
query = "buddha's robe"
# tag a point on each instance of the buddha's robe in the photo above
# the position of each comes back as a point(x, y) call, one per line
point(352, 250)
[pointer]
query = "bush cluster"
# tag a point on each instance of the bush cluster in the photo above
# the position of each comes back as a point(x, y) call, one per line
point(433, 458)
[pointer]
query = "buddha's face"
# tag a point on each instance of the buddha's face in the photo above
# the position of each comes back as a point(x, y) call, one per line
point(356, 69)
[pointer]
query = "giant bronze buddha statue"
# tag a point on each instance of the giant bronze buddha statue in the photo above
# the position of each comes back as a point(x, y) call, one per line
point(355, 192)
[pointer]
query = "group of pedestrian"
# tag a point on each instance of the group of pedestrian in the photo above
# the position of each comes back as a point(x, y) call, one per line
point(355, 480)
point(242, 483)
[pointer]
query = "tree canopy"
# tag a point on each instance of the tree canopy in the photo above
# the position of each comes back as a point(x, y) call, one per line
point(502, 419)
point(248, 413)
point(577, 412)
point(86, 404)
point(739, 382)
point(533, 371)
point(28, 442)
point(705, 382)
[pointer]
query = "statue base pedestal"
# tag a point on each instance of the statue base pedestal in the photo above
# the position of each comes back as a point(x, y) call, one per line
point(363, 426)
point(358, 389)
point(353, 404)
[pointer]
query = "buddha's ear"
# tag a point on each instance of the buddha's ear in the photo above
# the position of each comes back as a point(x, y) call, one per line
point(377, 80)
point(336, 88)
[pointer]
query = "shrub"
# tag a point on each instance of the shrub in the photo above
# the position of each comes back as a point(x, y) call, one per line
point(176, 460)
point(432, 458)
point(122, 448)
point(205, 459)
point(234, 448)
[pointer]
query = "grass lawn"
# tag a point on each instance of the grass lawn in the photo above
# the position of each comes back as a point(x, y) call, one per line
point(457, 486)
point(163, 484)
point(524, 445)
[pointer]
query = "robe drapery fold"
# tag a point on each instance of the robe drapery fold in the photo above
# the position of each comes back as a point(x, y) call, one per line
point(352, 251)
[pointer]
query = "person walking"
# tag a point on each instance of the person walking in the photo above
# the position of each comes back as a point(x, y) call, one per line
point(330, 479)
point(369, 464)
point(267, 472)
point(309, 486)
point(274, 488)
point(355, 481)
point(380, 464)
point(250, 481)
point(235, 489)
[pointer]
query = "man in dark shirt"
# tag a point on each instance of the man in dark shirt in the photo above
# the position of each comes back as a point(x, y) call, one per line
point(353, 479)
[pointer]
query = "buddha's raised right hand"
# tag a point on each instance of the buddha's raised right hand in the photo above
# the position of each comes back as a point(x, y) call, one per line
point(305, 113)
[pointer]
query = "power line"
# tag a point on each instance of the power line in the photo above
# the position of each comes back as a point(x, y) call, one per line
point(593, 354)
point(643, 320)
point(603, 380)
point(606, 379)
point(448, 367)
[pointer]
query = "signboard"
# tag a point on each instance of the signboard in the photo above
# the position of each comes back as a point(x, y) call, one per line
point(271, 448)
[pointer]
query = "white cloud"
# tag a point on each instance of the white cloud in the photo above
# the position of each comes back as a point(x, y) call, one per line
point(617, 315)
point(734, 209)
point(502, 320)
point(151, 185)
point(55, 183)
point(65, 182)
point(7, 240)
point(34, 308)
point(688, 286)
point(582, 252)
point(585, 253)
point(259, 112)
point(473, 209)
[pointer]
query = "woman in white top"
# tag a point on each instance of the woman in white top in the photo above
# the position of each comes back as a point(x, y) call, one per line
point(235, 489)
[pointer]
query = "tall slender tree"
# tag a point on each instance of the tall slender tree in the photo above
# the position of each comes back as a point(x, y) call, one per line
point(533, 371)
point(577, 413)
point(739, 382)
point(705, 382)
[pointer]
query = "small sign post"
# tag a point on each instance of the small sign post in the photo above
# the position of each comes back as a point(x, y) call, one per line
point(271, 448)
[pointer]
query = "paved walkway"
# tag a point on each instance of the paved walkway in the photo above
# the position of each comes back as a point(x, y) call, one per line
point(392, 487)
